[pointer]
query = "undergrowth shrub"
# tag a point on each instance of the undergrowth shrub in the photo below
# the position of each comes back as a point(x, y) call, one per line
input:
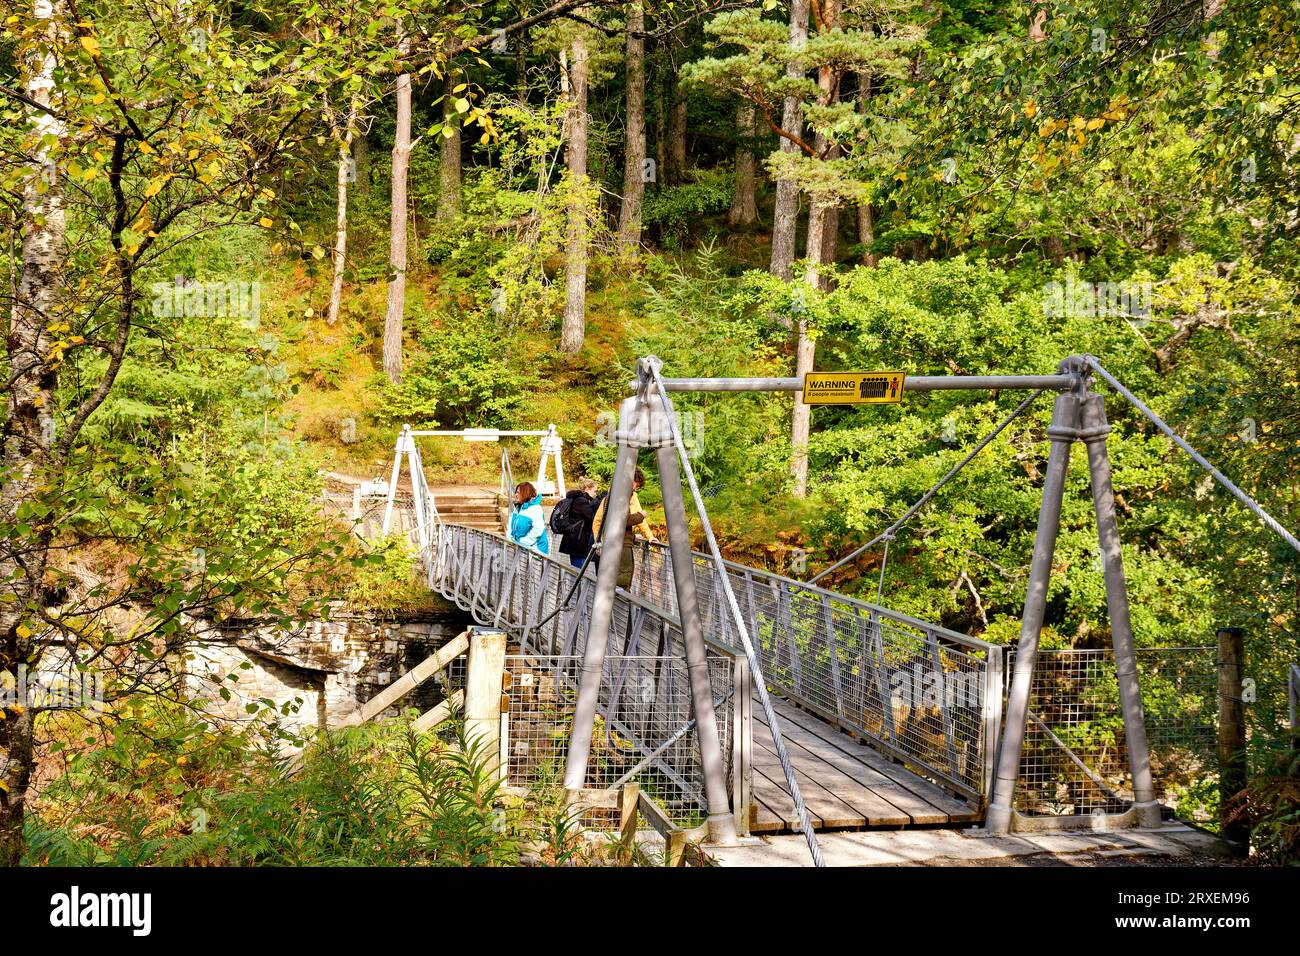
point(165, 786)
point(676, 210)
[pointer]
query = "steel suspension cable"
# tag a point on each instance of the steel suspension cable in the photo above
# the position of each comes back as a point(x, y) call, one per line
point(888, 534)
point(755, 667)
point(1271, 522)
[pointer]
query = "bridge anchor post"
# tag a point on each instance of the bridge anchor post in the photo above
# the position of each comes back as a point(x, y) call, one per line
point(1093, 431)
point(643, 423)
point(1079, 415)
point(1062, 432)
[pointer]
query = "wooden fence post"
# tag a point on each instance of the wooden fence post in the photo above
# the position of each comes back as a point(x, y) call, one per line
point(483, 677)
point(628, 800)
point(1232, 733)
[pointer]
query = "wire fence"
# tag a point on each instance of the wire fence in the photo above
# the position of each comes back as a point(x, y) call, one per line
point(361, 506)
point(927, 695)
point(644, 704)
point(1075, 758)
point(643, 730)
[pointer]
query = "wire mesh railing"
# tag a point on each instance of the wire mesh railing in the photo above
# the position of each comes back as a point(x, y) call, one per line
point(644, 708)
point(926, 695)
point(1075, 757)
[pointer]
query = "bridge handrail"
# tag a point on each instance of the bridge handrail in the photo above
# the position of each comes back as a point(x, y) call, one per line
point(839, 657)
point(954, 637)
point(506, 585)
point(847, 660)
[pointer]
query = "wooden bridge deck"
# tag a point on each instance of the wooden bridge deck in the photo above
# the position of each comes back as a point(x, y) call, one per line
point(845, 784)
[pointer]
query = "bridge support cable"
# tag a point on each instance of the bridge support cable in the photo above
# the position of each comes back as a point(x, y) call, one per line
point(1269, 521)
point(650, 367)
point(888, 534)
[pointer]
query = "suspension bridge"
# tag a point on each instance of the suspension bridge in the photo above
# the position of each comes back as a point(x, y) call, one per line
point(735, 701)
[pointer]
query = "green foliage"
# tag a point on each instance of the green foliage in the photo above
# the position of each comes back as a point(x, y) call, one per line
point(169, 788)
point(387, 580)
point(1270, 806)
point(677, 210)
point(463, 371)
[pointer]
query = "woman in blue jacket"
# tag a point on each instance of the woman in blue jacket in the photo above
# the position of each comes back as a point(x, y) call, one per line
point(528, 523)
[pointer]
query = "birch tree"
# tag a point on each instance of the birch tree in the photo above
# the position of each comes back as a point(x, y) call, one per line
point(629, 217)
point(131, 131)
point(394, 314)
point(575, 68)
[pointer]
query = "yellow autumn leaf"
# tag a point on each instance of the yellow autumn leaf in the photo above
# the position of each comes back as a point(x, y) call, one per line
point(266, 223)
point(154, 188)
point(90, 45)
point(24, 632)
point(1096, 123)
point(1031, 109)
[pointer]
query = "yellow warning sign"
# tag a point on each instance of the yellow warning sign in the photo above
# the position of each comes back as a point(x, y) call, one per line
point(852, 388)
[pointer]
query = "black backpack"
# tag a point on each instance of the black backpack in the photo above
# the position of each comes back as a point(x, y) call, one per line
point(563, 521)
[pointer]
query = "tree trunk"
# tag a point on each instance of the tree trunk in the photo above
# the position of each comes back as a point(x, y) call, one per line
point(661, 118)
point(744, 206)
point(801, 419)
point(785, 217)
point(866, 234)
point(346, 166)
point(629, 216)
point(28, 429)
point(676, 132)
point(575, 258)
point(828, 82)
point(449, 157)
point(393, 318)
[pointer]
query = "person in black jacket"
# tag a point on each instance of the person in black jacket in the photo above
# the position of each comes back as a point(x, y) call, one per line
point(577, 539)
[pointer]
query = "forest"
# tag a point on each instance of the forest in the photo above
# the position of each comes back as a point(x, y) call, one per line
point(245, 243)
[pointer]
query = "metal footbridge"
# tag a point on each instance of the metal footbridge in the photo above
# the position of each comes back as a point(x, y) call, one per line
point(744, 701)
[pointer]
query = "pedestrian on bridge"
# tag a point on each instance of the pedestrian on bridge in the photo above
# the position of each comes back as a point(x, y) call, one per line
point(528, 523)
point(636, 525)
point(572, 520)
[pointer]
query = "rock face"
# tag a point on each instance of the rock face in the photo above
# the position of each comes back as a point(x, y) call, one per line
point(324, 670)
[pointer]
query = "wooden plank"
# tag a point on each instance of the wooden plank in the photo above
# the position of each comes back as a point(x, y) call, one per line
point(874, 809)
point(853, 758)
point(900, 794)
point(432, 718)
point(413, 678)
point(833, 811)
point(763, 819)
point(775, 798)
point(913, 783)
point(628, 803)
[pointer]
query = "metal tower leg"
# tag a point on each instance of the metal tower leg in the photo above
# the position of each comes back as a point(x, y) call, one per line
point(722, 825)
point(602, 606)
point(1093, 430)
point(1063, 430)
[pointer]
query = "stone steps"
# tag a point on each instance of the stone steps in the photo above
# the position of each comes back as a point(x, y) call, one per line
point(472, 510)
